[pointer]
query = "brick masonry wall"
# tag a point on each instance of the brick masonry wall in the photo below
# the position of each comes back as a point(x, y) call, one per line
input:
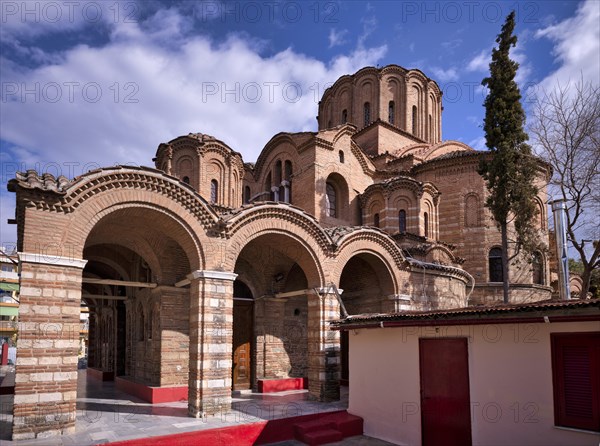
point(211, 337)
point(46, 372)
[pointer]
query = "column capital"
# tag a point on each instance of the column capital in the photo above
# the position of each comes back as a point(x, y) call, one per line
point(207, 274)
point(47, 259)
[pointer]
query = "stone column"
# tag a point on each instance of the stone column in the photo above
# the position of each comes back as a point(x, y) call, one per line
point(46, 372)
point(211, 338)
point(323, 347)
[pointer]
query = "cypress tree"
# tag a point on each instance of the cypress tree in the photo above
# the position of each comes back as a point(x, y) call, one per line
point(509, 169)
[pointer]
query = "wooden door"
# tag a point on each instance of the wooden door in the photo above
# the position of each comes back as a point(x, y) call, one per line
point(242, 342)
point(445, 399)
point(344, 350)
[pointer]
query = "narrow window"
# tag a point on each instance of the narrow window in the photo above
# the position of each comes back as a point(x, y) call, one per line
point(341, 156)
point(288, 178)
point(278, 173)
point(376, 220)
point(426, 223)
point(430, 128)
point(330, 200)
point(329, 124)
point(247, 194)
point(344, 116)
point(214, 191)
point(367, 113)
point(402, 220)
point(414, 120)
point(268, 186)
point(538, 268)
point(495, 265)
point(391, 112)
point(186, 180)
point(575, 371)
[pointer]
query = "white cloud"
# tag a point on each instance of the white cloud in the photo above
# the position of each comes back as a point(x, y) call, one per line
point(478, 143)
point(337, 38)
point(577, 46)
point(442, 75)
point(149, 91)
point(481, 62)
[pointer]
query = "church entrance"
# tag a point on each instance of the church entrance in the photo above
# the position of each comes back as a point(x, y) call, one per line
point(243, 331)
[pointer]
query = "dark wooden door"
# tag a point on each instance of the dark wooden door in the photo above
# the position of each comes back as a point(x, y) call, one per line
point(445, 399)
point(242, 342)
point(344, 357)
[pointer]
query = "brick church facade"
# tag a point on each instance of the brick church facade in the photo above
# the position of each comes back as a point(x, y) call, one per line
point(207, 273)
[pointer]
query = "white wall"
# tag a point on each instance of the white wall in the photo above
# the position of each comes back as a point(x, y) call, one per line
point(510, 373)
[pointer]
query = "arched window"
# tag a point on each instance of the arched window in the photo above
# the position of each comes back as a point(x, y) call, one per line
point(426, 224)
point(391, 112)
point(247, 194)
point(538, 268)
point(430, 128)
point(344, 116)
point(288, 178)
point(414, 120)
point(376, 220)
point(341, 156)
point(329, 124)
point(495, 265)
point(278, 173)
point(268, 186)
point(471, 211)
point(186, 180)
point(214, 191)
point(402, 220)
point(330, 200)
point(367, 113)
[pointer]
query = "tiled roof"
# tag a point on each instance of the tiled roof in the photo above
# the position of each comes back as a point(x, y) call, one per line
point(468, 314)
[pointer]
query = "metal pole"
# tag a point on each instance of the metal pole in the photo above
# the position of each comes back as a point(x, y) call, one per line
point(559, 208)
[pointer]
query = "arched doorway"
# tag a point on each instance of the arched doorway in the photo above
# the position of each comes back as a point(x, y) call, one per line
point(135, 259)
point(366, 283)
point(271, 311)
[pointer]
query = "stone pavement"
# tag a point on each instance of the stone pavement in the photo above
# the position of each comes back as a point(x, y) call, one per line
point(105, 414)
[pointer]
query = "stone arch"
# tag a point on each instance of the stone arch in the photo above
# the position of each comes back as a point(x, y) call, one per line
point(309, 243)
point(98, 194)
point(373, 242)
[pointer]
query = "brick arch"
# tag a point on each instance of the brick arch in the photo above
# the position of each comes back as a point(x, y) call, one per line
point(309, 242)
point(183, 227)
point(369, 241)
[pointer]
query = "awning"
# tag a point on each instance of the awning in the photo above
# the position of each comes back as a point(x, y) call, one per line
point(9, 286)
point(9, 311)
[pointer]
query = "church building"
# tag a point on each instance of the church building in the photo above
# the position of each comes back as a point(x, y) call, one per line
point(207, 273)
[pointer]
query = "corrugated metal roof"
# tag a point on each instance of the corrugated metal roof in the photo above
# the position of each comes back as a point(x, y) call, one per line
point(470, 313)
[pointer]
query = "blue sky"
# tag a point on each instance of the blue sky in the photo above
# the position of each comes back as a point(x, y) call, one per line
point(90, 83)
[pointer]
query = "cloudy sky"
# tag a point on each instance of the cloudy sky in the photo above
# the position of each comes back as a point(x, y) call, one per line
point(92, 83)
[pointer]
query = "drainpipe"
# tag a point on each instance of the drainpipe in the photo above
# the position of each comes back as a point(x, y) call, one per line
point(559, 208)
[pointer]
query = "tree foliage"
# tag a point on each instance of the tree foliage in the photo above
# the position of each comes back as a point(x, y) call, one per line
point(510, 170)
point(566, 133)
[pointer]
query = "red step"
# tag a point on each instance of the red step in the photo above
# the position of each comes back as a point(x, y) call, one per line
point(328, 428)
point(310, 426)
point(321, 436)
point(349, 425)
